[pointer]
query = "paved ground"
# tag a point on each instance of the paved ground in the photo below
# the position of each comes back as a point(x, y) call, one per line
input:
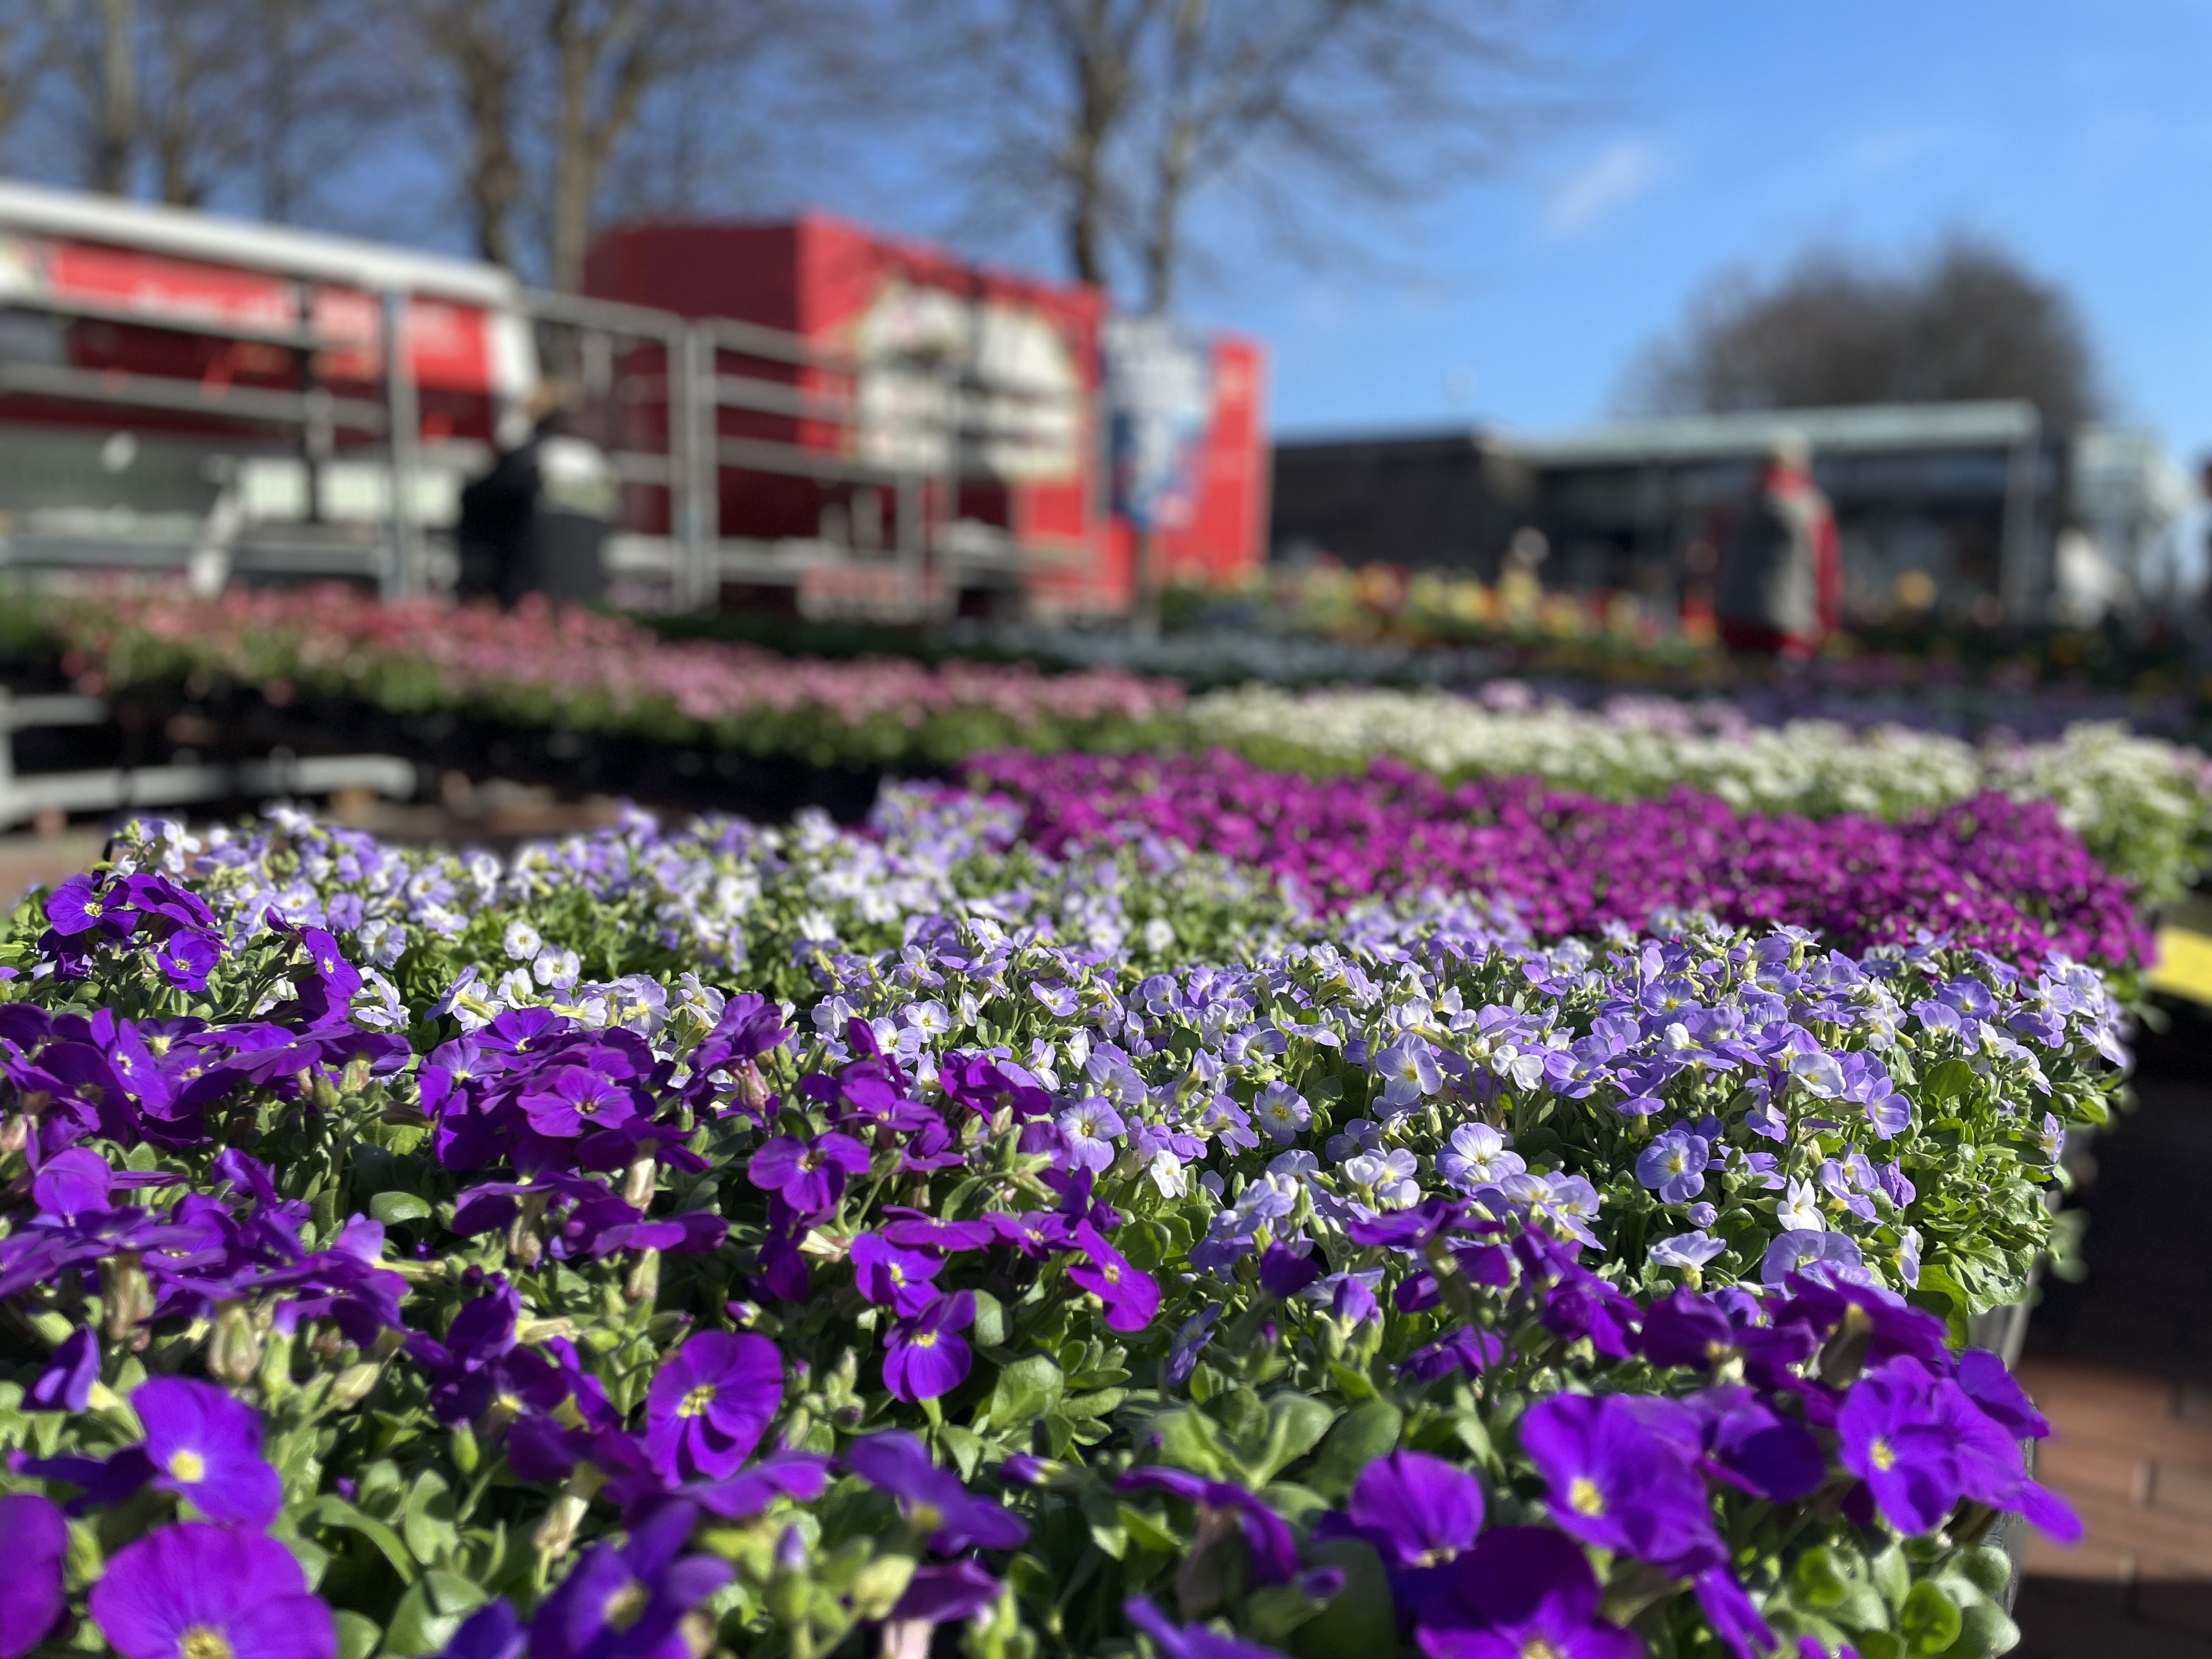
point(2121, 1365)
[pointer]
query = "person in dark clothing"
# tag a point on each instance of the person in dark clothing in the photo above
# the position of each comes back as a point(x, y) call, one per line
point(1781, 577)
point(537, 521)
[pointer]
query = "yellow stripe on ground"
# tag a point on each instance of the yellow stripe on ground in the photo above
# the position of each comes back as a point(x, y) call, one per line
point(2184, 964)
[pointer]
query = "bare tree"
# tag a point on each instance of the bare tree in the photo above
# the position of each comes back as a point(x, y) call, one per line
point(538, 101)
point(1967, 322)
point(1115, 116)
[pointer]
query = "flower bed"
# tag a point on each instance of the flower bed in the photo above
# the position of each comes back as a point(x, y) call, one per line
point(573, 668)
point(2003, 875)
point(418, 1274)
point(2143, 807)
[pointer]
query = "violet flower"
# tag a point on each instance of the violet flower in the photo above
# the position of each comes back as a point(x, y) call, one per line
point(492, 1632)
point(892, 1276)
point(1130, 1298)
point(710, 1402)
point(206, 1446)
point(1418, 1510)
point(1889, 1434)
point(809, 1174)
point(1521, 1591)
point(1187, 1641)
point(196, 1591)
point(626, 1602)
point(932, 1499)
point(1615, 1483)
point(66, 1384)
point(924, 1357)
point(33, 1539)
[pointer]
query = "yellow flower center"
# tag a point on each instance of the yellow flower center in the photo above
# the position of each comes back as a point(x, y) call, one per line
point(897, 1276)
point(925, 1340)
point(200, 1642)
point(1537, 1648)
point(1583, 1497)
point(625, 1606)
point(189, 1468)
point(1113, 1273)
point(696, 1402)
point(1883, 1457)
point(926, 1518)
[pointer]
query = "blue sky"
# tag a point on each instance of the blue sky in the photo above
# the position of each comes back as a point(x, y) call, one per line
point(1737, 133)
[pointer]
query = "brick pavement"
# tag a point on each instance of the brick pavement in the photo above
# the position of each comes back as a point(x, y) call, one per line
point(2121, 1365)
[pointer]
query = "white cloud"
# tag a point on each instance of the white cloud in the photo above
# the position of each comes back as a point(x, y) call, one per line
point(1624, 170)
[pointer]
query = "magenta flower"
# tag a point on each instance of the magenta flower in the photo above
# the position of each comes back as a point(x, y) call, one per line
point(33, 1538)
point(196, 1591)
point(1522, 1590)
point(1130, 1298)
point(932, 1498)
point(710, 1404)
point(893, 1277)
point(206, 1446)
point(923, 1357)
point(810, 1174)
point(628, 1602)
point(1618, 1482)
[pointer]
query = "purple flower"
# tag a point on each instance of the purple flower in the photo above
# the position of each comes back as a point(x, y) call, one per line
point(923, 1357)
point(941, 1595)
point(1187, 1641)
point(1732, 1614)
point(1616, 1483)
point(932, 1498)
point(1274, 1551)
point(894, 1277)
point(1285, 1272)
point(1998, 1393)
point(1673, 1166)
point(709, 1403)
point(33, 1538)
point(1130, 1298)
point(1686, 1250)
point(629, 1602)
point(1890, 1435)
point(77, 906)
point(1750, 1445)
point(573, 1102)
point(69, 1183)
point(66, 1384)
point(196, 1591)
point(1419, 1510)
point(492, 1632)
point(809, 1174)
point(1804, 1251)
point(1521, 1591)
point(1989, 1467)
point(186, 956)
point(206, 1446)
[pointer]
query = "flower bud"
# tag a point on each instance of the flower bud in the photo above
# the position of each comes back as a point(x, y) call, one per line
point(353, 1385)
point(234, 1348)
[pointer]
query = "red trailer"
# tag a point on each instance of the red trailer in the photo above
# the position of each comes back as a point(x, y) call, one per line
point(943, 430)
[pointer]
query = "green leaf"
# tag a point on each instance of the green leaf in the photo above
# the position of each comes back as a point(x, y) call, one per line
point(1188, 1440)
point(1357, 1623)
point(1025, 1391)
point(1363, 1434)
point(429, 1613)
point(1983, 1630)
point(1296, 1424)
point(990, 1330)
point(1143, 1530)
point(393, 1207)
point(1946, 1082)
point(358, 1635)
point(1940, 1294)
point(334, 1512)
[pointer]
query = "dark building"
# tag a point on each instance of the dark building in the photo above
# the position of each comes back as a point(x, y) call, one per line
point(1958, 507)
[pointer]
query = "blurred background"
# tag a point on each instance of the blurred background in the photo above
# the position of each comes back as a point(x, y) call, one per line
point(1409, 321)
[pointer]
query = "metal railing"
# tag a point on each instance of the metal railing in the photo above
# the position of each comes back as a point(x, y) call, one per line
point(657, 387)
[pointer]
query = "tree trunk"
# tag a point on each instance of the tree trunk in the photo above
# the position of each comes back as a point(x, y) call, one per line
point(117, 129)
